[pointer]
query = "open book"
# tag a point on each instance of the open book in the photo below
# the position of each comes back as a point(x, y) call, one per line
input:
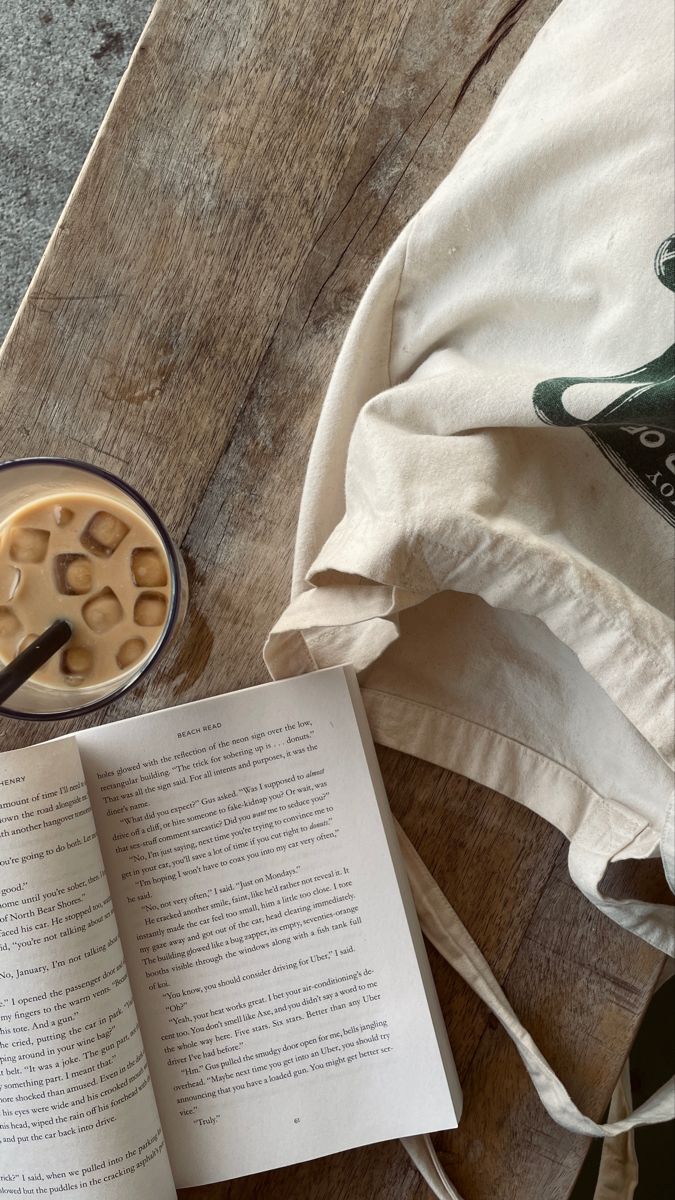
point(210, 963)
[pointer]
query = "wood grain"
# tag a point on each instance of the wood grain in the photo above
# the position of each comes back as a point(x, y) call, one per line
point(256, 163)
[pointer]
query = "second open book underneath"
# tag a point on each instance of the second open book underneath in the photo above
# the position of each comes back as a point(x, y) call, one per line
point(210, 962)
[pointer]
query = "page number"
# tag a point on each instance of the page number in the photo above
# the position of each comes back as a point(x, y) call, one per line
point(296, 1120)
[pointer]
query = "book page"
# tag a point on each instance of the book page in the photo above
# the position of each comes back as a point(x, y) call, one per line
point(77, 1113)
point(277, 984)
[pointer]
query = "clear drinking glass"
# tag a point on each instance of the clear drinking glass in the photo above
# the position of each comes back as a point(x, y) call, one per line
point(26, 480)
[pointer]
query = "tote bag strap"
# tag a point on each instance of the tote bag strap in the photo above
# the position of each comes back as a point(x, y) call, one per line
point(425, 1158)
point(617, 1176)
point(444, 929)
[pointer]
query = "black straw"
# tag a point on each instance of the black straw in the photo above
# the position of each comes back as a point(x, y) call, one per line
point(33, 657)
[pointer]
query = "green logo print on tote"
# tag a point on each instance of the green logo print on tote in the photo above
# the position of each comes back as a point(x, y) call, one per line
point(635, 429)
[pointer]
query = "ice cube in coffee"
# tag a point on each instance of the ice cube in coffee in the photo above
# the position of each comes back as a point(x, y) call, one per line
point(103, 611)
point(9, 623)
point(148, 568)
point(98, 564)
point(73, 574)
point(28, 545)
point(10, 577)
point(103, 533)
point(62, 514)
point(150, 609)
point(76, 663)
point(131, 652)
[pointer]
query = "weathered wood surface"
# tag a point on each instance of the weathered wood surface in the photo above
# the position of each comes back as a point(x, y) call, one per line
point(255, 165)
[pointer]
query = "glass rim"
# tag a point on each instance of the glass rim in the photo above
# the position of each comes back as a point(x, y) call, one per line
point(91, 469)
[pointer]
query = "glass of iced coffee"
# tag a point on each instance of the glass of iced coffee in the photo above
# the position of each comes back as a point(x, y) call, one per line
point(79, 544)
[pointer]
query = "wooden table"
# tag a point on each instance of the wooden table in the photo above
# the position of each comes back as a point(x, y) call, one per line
point(256, 163)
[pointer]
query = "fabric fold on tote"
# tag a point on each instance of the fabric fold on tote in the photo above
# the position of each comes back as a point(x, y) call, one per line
point(587, 860)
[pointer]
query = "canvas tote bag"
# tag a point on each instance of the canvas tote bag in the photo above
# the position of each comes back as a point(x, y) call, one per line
point(486, 529)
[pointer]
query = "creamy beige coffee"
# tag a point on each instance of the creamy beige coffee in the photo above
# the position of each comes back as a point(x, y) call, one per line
point(98, 564)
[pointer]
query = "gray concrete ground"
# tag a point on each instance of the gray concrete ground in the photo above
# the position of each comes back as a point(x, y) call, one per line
point(60, 62)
